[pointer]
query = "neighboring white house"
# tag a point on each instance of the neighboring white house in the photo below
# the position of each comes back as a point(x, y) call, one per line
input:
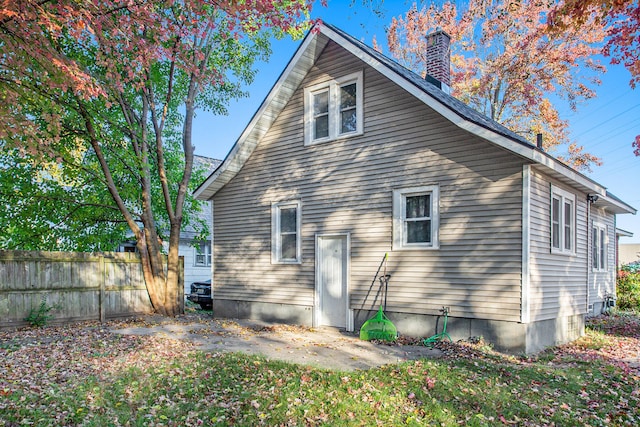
point(628, 253)
point(197, 257)
point(352, 156)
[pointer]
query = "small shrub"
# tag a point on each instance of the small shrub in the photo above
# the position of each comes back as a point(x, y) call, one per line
point(628, 284)
point(633, 267)
point(40, 316)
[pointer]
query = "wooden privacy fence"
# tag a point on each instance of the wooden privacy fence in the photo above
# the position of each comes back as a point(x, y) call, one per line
point(79, 286)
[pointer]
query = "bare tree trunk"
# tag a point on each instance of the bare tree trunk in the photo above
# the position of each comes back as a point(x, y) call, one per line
point(154, 286)
point(172, 304)
point(147, 240)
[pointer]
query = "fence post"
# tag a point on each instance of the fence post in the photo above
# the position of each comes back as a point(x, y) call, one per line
point(181, 286)
point(103, 278)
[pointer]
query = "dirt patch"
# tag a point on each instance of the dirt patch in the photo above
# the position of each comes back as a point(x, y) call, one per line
point(328, 348)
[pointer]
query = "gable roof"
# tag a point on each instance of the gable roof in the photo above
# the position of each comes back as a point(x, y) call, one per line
point(446, 105)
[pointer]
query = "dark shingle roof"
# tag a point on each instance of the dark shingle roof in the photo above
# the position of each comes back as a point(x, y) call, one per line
point(451, 108)
point(444, 98)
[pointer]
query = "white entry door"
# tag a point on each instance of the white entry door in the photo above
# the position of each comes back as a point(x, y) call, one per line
point(331, 281)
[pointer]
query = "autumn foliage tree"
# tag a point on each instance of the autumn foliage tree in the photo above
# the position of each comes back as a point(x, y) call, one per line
point(505, 65)
point(622, 21)
point(105, 90)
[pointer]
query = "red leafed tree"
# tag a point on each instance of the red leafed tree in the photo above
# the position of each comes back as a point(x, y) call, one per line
point(109, 88)
point(505, 65)
point(622, 19)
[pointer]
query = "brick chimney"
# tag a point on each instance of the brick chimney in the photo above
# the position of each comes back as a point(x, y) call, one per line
point(439, 60)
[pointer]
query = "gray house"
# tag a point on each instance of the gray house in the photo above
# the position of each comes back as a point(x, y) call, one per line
point(352, 156)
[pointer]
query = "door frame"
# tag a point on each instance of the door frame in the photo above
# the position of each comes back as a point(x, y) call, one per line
point(318, 284)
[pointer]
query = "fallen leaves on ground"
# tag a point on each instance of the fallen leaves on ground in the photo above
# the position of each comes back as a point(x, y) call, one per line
point(82, 374)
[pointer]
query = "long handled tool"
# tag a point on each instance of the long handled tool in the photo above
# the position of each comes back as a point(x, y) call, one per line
point(442, 336)
point(380, 327)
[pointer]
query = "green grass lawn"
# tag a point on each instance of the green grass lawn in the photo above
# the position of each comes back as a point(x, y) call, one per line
point(88, 376)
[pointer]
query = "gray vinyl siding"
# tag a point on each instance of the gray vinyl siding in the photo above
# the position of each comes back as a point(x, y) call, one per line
point(557, 282)
point(345, 186)
point(602, 282)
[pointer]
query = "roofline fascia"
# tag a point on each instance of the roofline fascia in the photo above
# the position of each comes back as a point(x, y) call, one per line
point(622, 206)
point(256, 116)
point(623, 233)
point(531, 153)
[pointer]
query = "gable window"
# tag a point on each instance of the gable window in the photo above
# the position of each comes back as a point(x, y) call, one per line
point(203, 254)
point(321, 115)
point(416, 218)
point(563, 227)
point(333, 109)
point(285, 233)
point(599, 247)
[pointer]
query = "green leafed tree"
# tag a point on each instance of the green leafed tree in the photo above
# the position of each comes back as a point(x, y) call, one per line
point(97, 102)
point(46, 207)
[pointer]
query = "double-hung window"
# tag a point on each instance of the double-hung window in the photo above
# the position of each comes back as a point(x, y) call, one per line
point(416, 218)
point(599, 247)
point(285, 233)
point(333, 109)
point(203, 254)
point(563, 221)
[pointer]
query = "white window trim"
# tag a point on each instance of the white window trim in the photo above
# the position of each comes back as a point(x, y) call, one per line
point(599, 227)
point(333, 86)
point(562, 195)
point(399, 207)
point(276, 243)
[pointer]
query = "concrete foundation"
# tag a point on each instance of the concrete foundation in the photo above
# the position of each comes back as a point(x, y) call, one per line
point(266, 312)
point(505, 336)
point(511, 337)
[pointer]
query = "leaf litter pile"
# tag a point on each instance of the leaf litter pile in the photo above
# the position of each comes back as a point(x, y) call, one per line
point(82, 374)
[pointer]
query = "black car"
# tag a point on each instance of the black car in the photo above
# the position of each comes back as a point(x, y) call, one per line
point(201, 294)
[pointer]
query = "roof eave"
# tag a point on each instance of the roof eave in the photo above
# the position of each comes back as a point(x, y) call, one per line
point(614, 205)
point(303, 60)
point(527, 151)
point(623, 233)
point(275, 101)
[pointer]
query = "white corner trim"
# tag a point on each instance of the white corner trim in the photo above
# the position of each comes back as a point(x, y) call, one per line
point(315, 317)
point(213, 260)
point(525, 313)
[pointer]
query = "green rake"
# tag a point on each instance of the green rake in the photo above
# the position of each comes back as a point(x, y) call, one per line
point(380, 327)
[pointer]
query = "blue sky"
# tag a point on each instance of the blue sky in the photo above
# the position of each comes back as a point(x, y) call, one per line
point(606, 126)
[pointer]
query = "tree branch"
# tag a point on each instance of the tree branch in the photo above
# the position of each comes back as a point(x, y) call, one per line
point(111, 186)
